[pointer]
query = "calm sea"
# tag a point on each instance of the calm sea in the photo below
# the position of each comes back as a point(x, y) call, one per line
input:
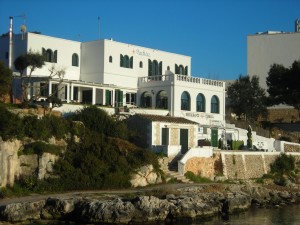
point(289, 215)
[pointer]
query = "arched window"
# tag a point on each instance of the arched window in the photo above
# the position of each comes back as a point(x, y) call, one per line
point(162, 100)
point(110, 59)
point(185, 101)
point(126, 61)
point(141, 64)
point(49, 55)
point(168, 67)
point(146, 100)
point(200, 103)
point(154, 68)
point(75, 60)
point(215, 104)
point(130, 62)
point(121, 60)
point(55, 56)
point(181, 70)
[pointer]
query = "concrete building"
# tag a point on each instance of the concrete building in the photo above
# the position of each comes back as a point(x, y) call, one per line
point(267, 48)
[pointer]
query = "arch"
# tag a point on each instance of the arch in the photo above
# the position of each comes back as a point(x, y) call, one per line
point(185, 101)
point(146, 100)
point(162, 100)
point(168, 67)
point(200, 103)
point(141, 64)
point(110, 59)
point(75, 60)
point(215, 104)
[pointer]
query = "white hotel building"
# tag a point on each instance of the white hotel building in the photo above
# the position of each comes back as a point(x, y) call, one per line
point(114, 74)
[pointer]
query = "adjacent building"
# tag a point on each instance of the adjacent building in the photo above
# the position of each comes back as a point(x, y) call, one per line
point(267, 48)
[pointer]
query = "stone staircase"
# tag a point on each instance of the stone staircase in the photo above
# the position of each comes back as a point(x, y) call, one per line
point(170, 167)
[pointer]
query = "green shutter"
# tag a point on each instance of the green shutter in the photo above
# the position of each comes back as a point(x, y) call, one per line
point(107, 97)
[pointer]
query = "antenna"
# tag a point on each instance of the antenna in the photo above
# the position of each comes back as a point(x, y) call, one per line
point(99, 27)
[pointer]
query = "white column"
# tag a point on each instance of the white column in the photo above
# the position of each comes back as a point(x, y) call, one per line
point(103, 96)
point(50, 92)
point(68, 92)
point(72, 92)
point(94, 96)
point(79, 94)
point(113, 98)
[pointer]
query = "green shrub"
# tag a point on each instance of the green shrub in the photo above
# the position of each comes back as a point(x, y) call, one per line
point(283, 164)
point(39, 148)
point(10, 124)
point(237, 145)
point(97, 120)
point(196, 178)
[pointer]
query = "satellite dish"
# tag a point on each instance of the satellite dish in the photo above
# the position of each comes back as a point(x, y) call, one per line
point(23, 28)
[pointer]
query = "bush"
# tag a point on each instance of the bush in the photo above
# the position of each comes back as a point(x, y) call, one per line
point(237, 145)
point(99, 121)
point(196, 178)
point(283, 164)
point(39, 148)
point(10, 124)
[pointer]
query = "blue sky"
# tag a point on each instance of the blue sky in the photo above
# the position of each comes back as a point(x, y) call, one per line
point(213, 32)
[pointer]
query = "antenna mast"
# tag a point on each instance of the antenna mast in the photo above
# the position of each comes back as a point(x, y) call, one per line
point(99, 27)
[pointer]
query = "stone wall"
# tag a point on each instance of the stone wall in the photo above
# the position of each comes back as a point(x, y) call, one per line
point(12, 166)
point(291, 147)
point(247, 165)
point(282, 115)
point(174, 136)
point(234, 164)
point(206, 167)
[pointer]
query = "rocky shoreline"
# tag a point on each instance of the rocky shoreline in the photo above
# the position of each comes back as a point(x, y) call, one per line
point(161, 205)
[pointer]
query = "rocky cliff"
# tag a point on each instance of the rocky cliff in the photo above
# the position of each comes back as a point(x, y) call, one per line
point(184, 203)
point(13, 165)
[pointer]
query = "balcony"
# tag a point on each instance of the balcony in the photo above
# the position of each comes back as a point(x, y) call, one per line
point(177, 78)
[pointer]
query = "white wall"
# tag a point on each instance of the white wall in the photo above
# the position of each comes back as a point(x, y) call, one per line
point(92, 64)
point(128, 77)
point(263, 50)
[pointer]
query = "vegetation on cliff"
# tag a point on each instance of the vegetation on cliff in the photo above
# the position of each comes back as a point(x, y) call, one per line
point(103, 158)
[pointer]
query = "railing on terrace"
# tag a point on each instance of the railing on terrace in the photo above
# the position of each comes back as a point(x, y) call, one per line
point(183, 78)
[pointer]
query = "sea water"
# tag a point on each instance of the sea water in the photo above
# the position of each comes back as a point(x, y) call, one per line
point(289, 215)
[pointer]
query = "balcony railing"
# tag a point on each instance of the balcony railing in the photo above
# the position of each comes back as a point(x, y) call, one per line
point(182, 78)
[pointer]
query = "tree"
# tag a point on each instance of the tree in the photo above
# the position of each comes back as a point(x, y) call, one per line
point(31, 60)
point(284, 85)
point(5, 81)
point(247, 98)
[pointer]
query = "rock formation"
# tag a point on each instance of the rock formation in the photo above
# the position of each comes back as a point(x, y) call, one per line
point(187, 203)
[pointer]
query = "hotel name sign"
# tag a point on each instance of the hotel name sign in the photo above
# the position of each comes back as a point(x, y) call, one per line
point(142, 53)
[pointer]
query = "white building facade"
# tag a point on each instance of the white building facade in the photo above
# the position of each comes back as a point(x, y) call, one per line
point(267, 48)
point(114, 74)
